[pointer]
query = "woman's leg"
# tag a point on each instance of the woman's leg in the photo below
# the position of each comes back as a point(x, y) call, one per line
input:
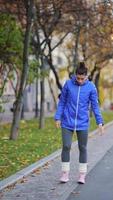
point(65, 155)
point(82, 137)
point(66, 144)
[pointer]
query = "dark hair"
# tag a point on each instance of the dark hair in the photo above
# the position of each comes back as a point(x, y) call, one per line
point(81, 69)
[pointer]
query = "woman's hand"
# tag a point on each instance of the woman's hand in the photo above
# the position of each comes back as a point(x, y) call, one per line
point(58, 123)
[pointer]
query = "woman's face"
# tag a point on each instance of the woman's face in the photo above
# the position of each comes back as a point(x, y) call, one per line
point(81, 78)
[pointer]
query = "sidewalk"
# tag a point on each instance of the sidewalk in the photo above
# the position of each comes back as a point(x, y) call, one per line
point(99, 183)
point(6, 117)
point(44, 182)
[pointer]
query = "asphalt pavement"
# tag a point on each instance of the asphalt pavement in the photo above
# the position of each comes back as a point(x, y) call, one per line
point(99, 184)
point(42, 182)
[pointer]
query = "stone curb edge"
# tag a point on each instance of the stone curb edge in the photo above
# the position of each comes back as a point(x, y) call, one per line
point(26, 171)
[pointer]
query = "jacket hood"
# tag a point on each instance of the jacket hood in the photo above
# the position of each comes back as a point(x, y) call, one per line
point(74, 80)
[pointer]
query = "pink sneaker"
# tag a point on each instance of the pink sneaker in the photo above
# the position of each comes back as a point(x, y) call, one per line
point(81, 179)
point(64, 177)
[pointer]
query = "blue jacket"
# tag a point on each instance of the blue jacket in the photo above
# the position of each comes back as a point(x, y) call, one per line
point(74, 102)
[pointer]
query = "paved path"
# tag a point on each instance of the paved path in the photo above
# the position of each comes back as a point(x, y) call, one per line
point(6, 117)
point(99, 183)
point(44, 183)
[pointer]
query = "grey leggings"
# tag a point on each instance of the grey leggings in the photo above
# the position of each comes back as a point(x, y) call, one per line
point(82, 137)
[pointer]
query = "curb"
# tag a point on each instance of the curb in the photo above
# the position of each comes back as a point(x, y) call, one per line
point(26, 171)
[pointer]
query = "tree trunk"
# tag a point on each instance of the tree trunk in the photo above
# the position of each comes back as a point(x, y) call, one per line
point(75, 60)
point(40, 53)
point(55, 73)
point(94, 76)
point(42, 103)
point(50, 62)
point(96, 79)
point(36, 104)
point(19, 101)
point(22, 112)
point(52, 93)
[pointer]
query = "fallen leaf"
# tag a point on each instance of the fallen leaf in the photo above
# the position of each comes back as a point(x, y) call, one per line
point(76, 193)
point(53, 188)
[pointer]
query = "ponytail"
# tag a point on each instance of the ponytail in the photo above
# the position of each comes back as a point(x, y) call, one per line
point(81, 69)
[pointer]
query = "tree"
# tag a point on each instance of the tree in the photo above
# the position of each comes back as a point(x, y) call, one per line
point(45, 21)
point(17, 112)
point(89, 23)
point(10, 50)
point(96, 40)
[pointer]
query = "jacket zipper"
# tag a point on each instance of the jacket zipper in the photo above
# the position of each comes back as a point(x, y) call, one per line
point(77, 107)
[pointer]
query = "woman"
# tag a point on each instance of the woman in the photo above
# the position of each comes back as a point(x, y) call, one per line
point(72, 115)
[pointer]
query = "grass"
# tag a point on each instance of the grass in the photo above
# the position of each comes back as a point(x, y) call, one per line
point(32, 144)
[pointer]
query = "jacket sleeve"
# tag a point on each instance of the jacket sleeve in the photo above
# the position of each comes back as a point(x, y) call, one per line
point(95, 106)
point(61, 103)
